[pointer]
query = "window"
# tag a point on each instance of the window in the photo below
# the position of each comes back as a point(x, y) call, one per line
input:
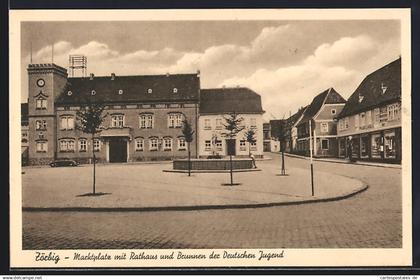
point(356, 121)
point(175, 90)
point(393, 112)
point(167, 144)
point(120, 91)
point(41, 146)
point(69, 93)
point(376, 143)
point(377, 115)
point(82, 145)
point(66, 145)
point(146, 121)
point(333, 111)
point(346, 122)
point(369, 117)
point(117, 121)
point(242, 145)
point(389, 145)
point(41, 104)
point(207, 124)
point(41, 124)
point(207, 145)
point(253, 146)
point(153, 144)
point(67, 122)
point(364, 145)
point(362, 119)
point(175, 120)
point(139, 144)
point(324, 127)
point(149, 90)
point(182, 144)
point(93, 92)
point(324, 144)
point(96, 145)
point(253, 123)
point(218, 145)
point(219, 124)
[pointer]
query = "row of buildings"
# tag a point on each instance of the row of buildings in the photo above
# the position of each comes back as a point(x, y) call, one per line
point(144, 115)
point(365, 127)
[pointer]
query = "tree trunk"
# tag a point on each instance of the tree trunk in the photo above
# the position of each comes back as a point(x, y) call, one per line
point(231, 171)
point(94, 164)
point(189, 160)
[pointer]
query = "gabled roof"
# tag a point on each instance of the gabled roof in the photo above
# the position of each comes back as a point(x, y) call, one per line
point(329, 96)
point(371, 90)
point(134, 89)
point(295, 117)
point(227, 100)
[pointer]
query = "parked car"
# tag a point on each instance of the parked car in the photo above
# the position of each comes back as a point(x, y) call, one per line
point(63, 162)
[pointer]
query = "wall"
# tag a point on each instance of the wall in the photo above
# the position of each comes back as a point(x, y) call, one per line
point(207, 134)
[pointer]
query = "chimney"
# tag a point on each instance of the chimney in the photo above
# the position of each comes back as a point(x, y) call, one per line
point(91, 76)
point(167, 74)
point(112, 76)
point(198, 72)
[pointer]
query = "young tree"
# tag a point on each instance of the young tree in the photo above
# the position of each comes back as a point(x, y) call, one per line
point(232, 125)
point(188, 133)
point(250, 135)
point(89, 121)
point(278, 130)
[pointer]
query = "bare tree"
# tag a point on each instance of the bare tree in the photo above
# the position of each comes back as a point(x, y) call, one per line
point(89, 121)
point(232, 125)
point(188, 133)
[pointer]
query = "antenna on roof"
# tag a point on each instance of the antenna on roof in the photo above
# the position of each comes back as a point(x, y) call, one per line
point(31, 54)
point(52, 52)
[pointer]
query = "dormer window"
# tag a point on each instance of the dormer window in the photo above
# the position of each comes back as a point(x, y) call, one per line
point(383, 88)
point(120, 91)
point(69, 93)
point(175, 90)
point(361, 98)
point(149, 90)
point(93, 92)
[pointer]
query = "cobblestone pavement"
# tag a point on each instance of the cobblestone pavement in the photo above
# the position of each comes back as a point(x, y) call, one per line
point(369, 219)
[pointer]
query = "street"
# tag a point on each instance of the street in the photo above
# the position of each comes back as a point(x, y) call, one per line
point(371, 219)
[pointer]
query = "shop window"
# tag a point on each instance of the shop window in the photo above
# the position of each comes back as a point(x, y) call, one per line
point(376, 145)
point(342, 147)
point(389, 144)
point(324, 144)
point(364, 147)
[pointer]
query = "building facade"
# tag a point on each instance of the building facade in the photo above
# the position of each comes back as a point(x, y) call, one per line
point(143, 120)
point(215, 105)
point(320, 116)
point(369, 126)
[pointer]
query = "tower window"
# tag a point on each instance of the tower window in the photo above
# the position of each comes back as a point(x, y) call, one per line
point(69, 93)
point(175, 90)
point(93, 92)
point(149, 90)
point(41, 104)
point(120, 91)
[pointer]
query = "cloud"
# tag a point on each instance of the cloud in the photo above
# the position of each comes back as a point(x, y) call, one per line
point(286, 64)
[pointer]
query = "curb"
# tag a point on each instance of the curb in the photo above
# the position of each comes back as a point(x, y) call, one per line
point(396, 166)
point(211, 171)
point(196, 207)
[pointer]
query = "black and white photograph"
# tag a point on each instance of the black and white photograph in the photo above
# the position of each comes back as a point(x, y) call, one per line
point(210, 138)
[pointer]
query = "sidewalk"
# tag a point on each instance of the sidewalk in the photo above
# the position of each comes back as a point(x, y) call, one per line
point(147, 188)
point(344, 161)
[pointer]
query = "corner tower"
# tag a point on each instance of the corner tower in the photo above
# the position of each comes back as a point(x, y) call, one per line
point(45, 82)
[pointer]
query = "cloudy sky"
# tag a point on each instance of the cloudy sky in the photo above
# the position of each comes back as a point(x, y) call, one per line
point(286, 62)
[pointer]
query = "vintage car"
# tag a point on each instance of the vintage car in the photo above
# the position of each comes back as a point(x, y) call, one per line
point(63, 162)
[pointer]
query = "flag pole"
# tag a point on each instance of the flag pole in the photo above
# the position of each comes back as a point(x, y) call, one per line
point(310, 152)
